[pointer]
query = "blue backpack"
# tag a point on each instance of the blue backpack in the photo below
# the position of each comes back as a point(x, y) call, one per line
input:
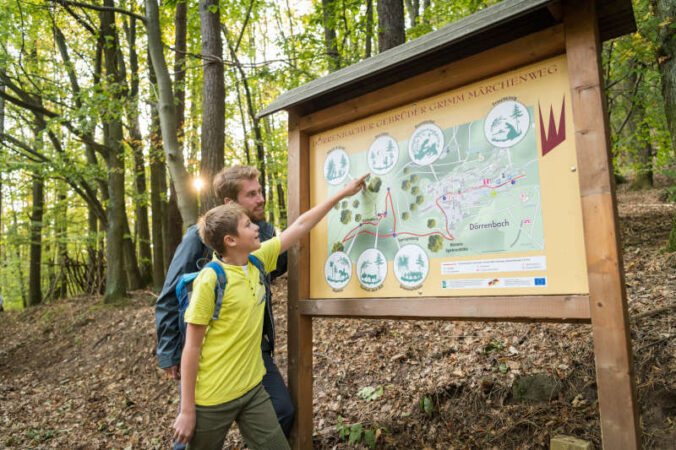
point(184, 290)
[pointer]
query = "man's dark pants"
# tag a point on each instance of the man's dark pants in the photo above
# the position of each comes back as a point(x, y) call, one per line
point(279, 395)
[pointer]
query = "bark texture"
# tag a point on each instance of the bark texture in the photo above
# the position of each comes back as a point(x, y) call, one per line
point(390, 24)
point(213, 105)
point(330, 42)
point(186, 199)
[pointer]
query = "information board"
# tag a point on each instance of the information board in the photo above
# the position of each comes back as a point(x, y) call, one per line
point(472, 192)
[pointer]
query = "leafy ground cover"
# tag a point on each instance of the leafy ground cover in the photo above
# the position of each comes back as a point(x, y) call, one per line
point(77, 374)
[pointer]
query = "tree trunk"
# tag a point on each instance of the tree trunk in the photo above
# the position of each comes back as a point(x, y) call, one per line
point(390, 24)
point(640, 149)
point(255, 121)
point(247, 150)
point(181, 33)
point(2, 131)
point(174, 224)
point(666, 11)
point(173, 233)
point(34, 277)
point(413, 8)
point(112, 136)
point(157, 193)
point(369, 28)
point(131, 267)
point(426, 6)
point(20, 260)
point(157, 205)
point(186, 199)
point(135, 142)
point(213, 104)
point(61, 228)
point(329, 19)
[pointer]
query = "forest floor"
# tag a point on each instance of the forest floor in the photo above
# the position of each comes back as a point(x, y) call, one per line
point(77, 374)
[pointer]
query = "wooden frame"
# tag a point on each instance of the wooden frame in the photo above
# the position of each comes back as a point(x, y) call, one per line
point(605, 306)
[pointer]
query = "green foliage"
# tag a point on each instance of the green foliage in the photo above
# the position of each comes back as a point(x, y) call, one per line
point(281, 47)
point(431, 223)
point(370, 393)
point(635, 103)
point(355, 433)
point(493, 346)
point(337, 247)
point(427, 406)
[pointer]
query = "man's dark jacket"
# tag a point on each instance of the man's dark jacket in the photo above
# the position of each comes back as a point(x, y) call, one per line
point(191, 255)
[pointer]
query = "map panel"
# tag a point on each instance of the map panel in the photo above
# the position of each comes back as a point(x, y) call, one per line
point(470, 191)
point(474, 198)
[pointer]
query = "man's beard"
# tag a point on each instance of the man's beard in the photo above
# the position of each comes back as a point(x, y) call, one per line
point(257, 217)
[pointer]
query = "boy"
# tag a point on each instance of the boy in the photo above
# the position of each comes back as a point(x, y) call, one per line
point(237, 184)
point(222, 369)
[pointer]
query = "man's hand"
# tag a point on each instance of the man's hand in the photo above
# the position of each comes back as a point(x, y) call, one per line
point(355, 185)
point(174, 372)
point(184, 427)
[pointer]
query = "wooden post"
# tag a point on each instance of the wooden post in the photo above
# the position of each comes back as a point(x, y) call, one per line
point(607, 296)
point(299, 327)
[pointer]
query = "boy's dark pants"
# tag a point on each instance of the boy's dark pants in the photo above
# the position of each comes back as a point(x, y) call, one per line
point(255, 418)
point(279, 395)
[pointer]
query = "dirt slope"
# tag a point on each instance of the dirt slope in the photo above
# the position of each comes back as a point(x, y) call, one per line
point(76, 374)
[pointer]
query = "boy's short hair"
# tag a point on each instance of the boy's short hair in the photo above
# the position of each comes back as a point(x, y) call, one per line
point(219, 222)
point(227, 181)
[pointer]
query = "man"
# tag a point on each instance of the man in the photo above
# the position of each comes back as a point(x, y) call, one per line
point(239, 184)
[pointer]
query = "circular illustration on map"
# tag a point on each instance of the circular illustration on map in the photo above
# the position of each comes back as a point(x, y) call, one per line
point(338, 270)
point(426, 144)
point(506, 124)
point(371, 268)
point(411, 266)
point(336, 166)
point(383, 154)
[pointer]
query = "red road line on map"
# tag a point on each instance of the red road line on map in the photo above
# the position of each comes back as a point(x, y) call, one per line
point(394, 216)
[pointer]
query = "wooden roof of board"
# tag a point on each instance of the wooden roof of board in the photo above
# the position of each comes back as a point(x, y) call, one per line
point(503, 22)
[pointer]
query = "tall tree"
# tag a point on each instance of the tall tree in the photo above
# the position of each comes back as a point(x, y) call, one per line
point(665, 10)
point(186, 199)
point(369, 29)
point(173, 226)
point(37, 213)
point(113, 136)
point(390, 24)
point(135, 142)
point(413, 8)
point(329, 19)
point(158, 190)
point(2, 132)
point(213, 104)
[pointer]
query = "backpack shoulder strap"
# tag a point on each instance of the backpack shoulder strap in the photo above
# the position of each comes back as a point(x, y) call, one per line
point(219, 289)
point(264, 279)
point(259, 265)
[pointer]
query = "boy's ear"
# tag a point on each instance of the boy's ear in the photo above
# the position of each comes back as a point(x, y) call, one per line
point(229, 241)
point(227, 200)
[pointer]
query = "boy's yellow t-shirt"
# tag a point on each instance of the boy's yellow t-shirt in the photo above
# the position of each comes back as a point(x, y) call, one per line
point(230, 361)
